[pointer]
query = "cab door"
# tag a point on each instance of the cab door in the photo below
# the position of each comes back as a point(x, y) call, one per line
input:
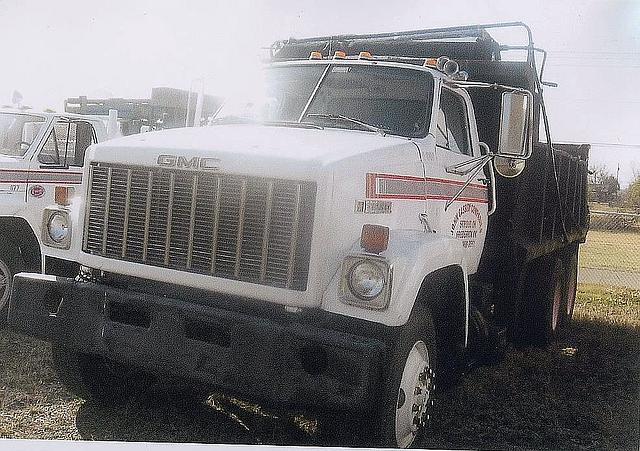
point(465, 218)
point(59, 160)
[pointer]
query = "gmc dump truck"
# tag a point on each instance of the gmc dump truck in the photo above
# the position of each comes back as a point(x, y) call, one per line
point(346, 240)
point(41, 159)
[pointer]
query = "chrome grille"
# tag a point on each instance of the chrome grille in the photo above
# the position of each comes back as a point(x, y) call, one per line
point(246, 228)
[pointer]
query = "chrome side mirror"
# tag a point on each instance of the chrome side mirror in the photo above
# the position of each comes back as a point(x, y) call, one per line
point(515, 122)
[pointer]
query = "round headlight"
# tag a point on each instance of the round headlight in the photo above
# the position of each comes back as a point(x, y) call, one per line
point(58, 227)
point(366, 280)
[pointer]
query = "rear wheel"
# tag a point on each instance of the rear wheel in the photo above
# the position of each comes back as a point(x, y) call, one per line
point(570, 285)
point(11, 263)
point(542, 302)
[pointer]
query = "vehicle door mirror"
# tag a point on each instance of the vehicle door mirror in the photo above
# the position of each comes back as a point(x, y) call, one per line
point(48, 159)
point(515, 121)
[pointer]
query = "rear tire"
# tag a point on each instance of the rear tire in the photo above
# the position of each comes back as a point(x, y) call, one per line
point(95, 378)
point(570, 285)
point(542, 302)
point(11, 263)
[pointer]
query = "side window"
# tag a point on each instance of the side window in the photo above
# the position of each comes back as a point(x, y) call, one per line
point(67, 143)
point(453, 127)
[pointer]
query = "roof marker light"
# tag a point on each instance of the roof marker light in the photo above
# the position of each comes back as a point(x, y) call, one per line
point(315, 56)
point(339, 55)
point(430, 62)
point(365, 56)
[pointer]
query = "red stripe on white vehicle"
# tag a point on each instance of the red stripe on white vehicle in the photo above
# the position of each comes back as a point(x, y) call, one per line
point(408, 187)
point(42, 176)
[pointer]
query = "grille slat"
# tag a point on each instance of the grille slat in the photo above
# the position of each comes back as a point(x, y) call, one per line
point(246, 228)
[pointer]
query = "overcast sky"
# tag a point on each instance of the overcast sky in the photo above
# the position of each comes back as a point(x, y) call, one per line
point(54, 50)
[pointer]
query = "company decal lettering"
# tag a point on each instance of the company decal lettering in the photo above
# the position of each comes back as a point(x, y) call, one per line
point(37, 191)
point(373, 207)
point(467, 225)
point(407, 187)
point(11, 188)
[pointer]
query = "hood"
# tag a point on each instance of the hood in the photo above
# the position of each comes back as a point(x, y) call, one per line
point(7, 162)
point(246, 148)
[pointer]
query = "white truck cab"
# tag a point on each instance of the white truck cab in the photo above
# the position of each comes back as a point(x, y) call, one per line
point(39, 153)
point(337, 241)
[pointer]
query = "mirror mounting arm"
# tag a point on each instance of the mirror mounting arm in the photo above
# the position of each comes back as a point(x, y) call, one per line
point(467, 166)
point(473, 166)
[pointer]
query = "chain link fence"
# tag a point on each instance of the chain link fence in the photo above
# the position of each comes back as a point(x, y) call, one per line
point(611, 255)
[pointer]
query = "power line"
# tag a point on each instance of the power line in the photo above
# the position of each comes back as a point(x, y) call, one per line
point(628, 146)
point(593, 52)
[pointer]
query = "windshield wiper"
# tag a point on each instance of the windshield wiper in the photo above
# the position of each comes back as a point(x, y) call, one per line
point(227, 120)
point(293, 124)
point(340, 117)
point(242, 120)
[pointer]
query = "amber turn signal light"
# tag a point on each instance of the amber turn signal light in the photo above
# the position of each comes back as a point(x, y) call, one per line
point(374, 238)
point(63, 195)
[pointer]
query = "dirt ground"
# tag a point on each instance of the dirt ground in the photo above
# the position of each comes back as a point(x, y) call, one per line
point(583, 392)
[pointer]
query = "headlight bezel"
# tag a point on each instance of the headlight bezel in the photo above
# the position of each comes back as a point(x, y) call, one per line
point(349, 295)
point(50, 214)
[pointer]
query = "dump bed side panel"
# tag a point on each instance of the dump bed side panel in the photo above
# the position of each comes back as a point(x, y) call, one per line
point(531, 209)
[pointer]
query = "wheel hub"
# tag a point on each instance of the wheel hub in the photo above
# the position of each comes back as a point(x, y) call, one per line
point(557, 301)
point(414, 396)
point(5, 278)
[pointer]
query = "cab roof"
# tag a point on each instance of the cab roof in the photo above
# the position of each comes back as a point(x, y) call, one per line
point(471, 46)
point(49, 114)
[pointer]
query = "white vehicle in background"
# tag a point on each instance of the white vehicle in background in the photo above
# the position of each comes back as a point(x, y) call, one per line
point(41, 159)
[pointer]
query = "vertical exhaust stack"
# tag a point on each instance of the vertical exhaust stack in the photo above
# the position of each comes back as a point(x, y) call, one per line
point(113, 128)
point(197, 115)
point(199, 102)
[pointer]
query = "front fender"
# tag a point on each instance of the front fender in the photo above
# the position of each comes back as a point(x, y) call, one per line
point(413, 255)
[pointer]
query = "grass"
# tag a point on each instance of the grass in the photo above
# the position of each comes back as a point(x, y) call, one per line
point(582, 392)
point(601, 206)
point(611, 250)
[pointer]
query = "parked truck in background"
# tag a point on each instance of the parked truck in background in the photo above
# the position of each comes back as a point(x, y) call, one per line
point(166, 108)
point(348, 241)
point(41, 159)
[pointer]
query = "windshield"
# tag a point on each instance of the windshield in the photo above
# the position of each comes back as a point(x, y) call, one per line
point(17, 132)
point(381, 98)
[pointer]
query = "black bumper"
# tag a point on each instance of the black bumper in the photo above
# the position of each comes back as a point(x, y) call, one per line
point(273, 359)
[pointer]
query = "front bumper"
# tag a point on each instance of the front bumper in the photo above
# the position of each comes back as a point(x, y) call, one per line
point(277, 359)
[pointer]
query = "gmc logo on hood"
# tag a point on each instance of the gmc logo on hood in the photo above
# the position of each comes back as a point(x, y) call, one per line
point(181, 162)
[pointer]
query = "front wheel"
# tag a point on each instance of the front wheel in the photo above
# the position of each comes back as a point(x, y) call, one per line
point(410, 383)
point(10, 264)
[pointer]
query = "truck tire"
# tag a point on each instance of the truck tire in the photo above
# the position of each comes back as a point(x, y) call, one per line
point(570, 285)
point(11, 263)
point(409, 384)
point(487, 345)
point(542, 302)
point(93, 377)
